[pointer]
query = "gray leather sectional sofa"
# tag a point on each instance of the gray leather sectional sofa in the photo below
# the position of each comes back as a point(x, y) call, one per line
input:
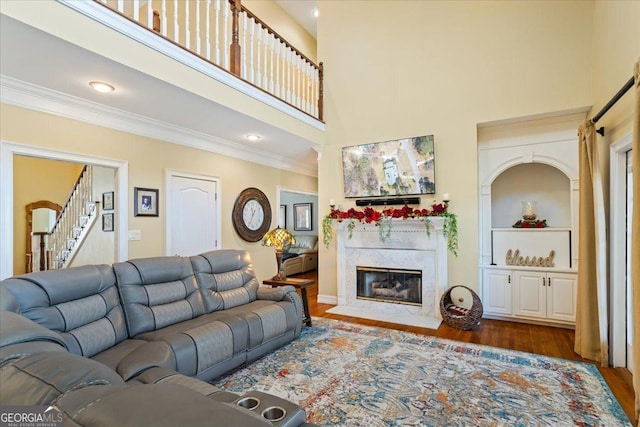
point(135, 343)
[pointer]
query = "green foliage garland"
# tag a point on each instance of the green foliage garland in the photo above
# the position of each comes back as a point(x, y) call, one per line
point(382, 219)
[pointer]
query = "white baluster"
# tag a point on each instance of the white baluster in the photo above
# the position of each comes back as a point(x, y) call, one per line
point(243, 61)
point(252, 35)
point(149, 15)
point(198, 32)
point(120, 6)
point(227, 9)
point(136, 10)
point(316, 91)
point(305, 86)
point(207, 34)
point(299, 81)
point(265, 74)
point(216, 31)
point(176, 27)
point(277, 75)
point(187, 31)
point(272, 48)
point(289, 66)
point(164, 18)
point(258, 45)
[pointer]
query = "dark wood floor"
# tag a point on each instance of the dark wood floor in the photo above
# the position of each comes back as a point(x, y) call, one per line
point(543, 340)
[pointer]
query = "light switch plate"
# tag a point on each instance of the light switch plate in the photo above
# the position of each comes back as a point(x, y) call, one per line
point(135, 235)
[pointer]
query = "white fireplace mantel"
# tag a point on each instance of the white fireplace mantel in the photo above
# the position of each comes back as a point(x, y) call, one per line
point(408, 247)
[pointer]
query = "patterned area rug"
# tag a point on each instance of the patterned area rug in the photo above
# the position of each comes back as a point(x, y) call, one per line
point(352, 375)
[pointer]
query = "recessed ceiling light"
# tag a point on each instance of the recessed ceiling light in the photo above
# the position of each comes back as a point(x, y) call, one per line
point(102, 87)
point(316, 12)
point(253, 137)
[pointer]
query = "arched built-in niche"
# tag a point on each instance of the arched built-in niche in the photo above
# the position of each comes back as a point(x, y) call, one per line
point(545, 184)
point(537, 160)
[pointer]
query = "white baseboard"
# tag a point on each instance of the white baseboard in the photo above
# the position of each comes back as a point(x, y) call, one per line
point(327, 299)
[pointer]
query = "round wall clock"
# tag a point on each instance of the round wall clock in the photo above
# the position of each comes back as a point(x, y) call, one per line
point(251, 214)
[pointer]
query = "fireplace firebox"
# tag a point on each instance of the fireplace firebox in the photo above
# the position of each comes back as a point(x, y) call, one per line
point(389, 285)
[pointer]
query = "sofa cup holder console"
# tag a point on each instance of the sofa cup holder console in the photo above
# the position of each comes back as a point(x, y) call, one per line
point(278, 411)
point(249, 402)
point(274, 413)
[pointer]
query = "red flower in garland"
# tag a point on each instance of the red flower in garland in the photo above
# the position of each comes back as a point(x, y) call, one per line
point(370, 215)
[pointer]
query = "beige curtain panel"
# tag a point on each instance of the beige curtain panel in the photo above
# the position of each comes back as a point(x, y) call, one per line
point(591, 312)
point(635, 237)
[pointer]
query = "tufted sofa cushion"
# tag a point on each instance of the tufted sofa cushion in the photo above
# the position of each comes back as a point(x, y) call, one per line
point(158, 292)
point(81, 304)
point(226, 277)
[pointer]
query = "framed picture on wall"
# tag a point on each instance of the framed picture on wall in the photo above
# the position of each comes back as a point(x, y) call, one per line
point(282, 216)
point(302, 217)
point(107, 222)
point(107, 201)
point(145, 202)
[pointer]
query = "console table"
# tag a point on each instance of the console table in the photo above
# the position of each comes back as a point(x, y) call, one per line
point(301, 284)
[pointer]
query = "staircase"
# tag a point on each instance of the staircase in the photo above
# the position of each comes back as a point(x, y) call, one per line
point(74, 222)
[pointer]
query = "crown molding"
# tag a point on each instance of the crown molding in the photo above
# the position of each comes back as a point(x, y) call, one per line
point(37, 98)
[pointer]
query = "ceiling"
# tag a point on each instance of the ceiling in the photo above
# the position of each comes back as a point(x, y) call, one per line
point(59, 67)
point(302, 12)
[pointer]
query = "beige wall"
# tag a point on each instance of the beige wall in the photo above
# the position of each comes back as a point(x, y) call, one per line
point(147, 161)
point(34, 180)
point(616, 47)
point(408, 68)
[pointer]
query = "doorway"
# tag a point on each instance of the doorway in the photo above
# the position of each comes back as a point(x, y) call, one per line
point(621, 209)
point(193, 213)
point(7, 152)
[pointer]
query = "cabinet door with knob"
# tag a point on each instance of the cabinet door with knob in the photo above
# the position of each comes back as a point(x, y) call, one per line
point(496, 292)
point(530, 294)
point(562, 291)
point(545, 295)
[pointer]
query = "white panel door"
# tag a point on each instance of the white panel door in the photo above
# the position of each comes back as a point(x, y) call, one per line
point(192, 215)
point(562, 290)
point(496, 291)
point(529, 294)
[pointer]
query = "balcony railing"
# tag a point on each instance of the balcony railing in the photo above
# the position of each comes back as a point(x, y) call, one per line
point(227, 35)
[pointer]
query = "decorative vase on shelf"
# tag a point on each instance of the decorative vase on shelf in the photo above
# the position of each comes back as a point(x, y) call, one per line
point(529, 210)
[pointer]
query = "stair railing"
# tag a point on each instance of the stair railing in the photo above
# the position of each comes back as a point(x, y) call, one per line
point(76, 214)
point(228, 35)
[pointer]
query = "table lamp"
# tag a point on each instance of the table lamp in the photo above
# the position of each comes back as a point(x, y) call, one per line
point(278, 238)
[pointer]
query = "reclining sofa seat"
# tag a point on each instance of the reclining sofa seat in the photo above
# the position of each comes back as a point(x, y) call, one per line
point(84, 309)
point(163, 303)
point(228, 284)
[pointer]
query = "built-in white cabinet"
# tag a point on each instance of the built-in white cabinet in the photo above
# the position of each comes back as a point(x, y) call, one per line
point(544, 295)
point(529, 295)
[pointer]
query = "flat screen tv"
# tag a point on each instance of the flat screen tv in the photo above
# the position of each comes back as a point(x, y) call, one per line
point(390, 168)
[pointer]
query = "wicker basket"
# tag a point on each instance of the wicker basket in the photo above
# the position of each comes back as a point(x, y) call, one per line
point(461, 321)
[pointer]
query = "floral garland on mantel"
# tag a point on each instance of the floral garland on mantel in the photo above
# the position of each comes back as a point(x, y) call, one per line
point(382, 219)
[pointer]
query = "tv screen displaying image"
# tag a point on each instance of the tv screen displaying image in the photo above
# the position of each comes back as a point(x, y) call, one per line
point(390, 168)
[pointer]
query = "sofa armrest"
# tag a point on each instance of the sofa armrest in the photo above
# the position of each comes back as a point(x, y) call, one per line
point(17, 329)
point(150, 355)
point(8, 301)
point(274, 294)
